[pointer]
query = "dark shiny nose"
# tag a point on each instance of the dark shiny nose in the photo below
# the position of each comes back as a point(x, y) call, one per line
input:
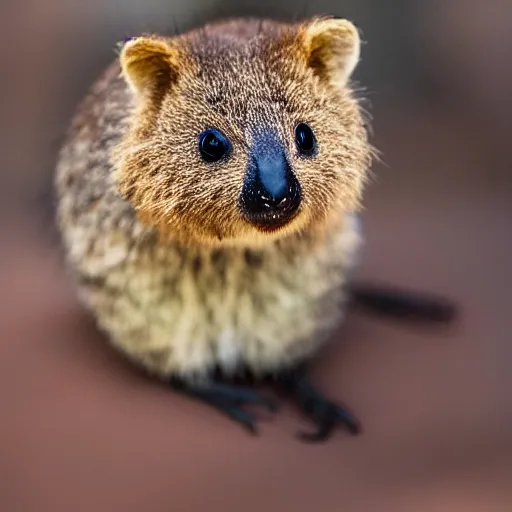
point(271, 193)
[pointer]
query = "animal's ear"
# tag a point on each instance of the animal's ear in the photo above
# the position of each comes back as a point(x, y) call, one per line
point(332, 47)
point(149, 64)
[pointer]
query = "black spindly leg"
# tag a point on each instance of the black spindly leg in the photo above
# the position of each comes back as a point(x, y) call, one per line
point(394, 302)
point(228, 400)
point(326, 414)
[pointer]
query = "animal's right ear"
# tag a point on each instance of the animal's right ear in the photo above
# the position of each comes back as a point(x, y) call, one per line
point(149, 65)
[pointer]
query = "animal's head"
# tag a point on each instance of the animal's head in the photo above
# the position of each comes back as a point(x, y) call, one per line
point(244, 131)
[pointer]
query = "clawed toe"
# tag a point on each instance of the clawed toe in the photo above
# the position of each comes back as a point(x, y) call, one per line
point(242, 396)
point(326, 414)
point(230, 401)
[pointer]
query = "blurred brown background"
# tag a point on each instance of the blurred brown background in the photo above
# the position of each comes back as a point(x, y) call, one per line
point(80, 431)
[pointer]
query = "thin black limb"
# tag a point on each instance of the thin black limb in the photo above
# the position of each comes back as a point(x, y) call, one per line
point(228, 400)
point(326, 414)
point(409, 305)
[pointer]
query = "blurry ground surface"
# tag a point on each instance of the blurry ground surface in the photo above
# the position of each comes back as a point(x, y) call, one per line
point(80, 431)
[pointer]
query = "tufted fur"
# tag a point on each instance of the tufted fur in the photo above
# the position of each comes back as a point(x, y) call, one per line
point(154, 237)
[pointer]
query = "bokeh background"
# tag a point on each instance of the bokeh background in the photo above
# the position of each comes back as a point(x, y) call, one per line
point(80, 431)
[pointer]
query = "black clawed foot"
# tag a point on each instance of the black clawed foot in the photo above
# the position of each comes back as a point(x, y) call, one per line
point(326, 414)
point(229, 400)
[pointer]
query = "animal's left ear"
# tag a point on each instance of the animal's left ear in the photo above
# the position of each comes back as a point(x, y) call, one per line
point(332, 48)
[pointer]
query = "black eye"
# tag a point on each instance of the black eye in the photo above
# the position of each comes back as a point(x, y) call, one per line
point(213, 145)
point(305, 139)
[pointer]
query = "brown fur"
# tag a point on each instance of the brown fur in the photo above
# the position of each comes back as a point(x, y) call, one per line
point(163, 257)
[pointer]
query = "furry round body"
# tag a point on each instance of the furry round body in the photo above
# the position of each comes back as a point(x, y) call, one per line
point(162, 252)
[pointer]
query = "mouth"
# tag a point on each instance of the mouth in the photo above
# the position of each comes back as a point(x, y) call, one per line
point(273, 219)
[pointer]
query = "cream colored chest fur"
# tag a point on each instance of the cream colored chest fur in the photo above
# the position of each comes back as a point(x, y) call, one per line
point(183, 311)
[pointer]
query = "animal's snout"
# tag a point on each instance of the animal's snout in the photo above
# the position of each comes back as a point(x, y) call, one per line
point(271, 193)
